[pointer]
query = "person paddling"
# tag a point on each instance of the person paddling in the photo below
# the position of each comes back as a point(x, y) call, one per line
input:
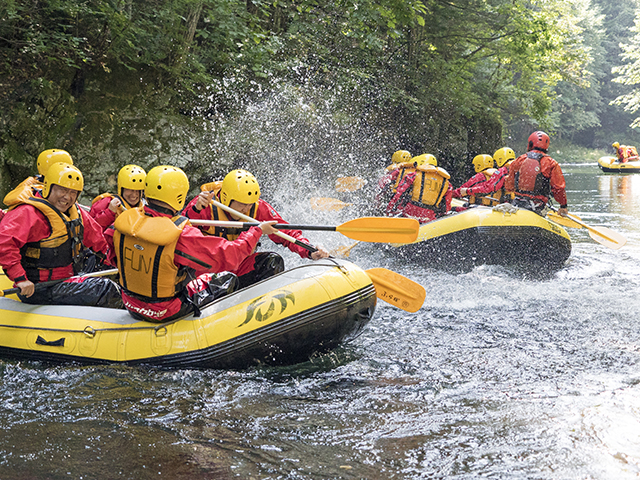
point(387, 184)
point(489, 191)
point(424, 193)
point(47, 236)
point(483, 166)
point(240, 191)
point(625, 153)
point(534, 176)
point(167, 267)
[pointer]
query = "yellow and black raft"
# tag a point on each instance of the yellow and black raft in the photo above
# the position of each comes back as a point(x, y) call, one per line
point(502, 235)
point(611, 165)
point(285, 319)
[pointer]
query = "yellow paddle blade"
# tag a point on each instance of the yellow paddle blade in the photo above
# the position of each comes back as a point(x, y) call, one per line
point(603, 235)
point(328, 204)
point(564, 221)
point(607, 237)
point(342, 251)
point(349, 184)
point(381, 229)
point(397, 290)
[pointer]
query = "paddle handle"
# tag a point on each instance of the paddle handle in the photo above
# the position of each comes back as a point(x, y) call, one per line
point(249, 219)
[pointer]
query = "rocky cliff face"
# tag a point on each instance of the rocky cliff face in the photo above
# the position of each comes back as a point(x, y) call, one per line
point(113, 121)
point(285, 134)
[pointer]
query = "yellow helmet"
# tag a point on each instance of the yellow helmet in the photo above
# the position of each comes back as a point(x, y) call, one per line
point(62, 174)
point(431, 160)
point(503, 155)
point(425, 159)
point(401, 156)
point(131, 177)
point(241, 186)
point(51, 156)
point(615, 145)
point(482, 162)
point(167, 184)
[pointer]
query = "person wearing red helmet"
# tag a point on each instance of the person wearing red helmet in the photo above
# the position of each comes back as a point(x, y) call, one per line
point(534, 176)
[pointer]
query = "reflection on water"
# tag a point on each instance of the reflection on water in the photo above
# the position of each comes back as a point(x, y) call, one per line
point(621, 193)
point(496, 376)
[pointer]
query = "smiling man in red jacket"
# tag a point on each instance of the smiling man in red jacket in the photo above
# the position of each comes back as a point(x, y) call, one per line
point(45, 236)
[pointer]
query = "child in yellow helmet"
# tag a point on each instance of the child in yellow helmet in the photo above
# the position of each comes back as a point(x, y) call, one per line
point(130, 187)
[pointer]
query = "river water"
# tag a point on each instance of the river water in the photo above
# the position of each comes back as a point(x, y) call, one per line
point(498, 375)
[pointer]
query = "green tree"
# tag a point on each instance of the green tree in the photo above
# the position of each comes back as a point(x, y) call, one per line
point(629, 73)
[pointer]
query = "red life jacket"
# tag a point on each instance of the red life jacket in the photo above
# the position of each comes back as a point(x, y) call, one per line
point(529, 180)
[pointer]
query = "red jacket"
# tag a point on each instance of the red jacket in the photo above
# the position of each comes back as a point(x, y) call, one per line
point(477, 179)
point(423, 214)
point(102, 214)
point(218, 252)
point(25, 224)
point(264, 213)
point(493, 184)
point(549, 168)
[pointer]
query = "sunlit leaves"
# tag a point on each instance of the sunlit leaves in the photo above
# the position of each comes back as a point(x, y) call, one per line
point(629, 72)
point(446, 60)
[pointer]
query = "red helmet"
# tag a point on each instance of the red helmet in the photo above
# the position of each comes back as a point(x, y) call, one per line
point(538, 141)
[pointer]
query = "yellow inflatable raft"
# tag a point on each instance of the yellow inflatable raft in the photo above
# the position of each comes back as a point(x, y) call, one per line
point(501, 235)
point(283, 320)
point(611, 165)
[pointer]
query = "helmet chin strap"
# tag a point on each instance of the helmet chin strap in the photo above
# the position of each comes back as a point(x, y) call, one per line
point(161, 207)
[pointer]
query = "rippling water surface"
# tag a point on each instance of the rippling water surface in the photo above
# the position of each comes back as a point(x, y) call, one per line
point(498, 375)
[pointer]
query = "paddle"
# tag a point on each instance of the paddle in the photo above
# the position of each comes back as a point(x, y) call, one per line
point(564, 221)
point(328, 203)
point(349, 184)
point(365, 229)
point(102, 273)
point(603, 235)
point(391, 287)
point(342, 251)
point(397, 290)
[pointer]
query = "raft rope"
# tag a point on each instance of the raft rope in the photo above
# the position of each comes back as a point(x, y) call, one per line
point(505, 208)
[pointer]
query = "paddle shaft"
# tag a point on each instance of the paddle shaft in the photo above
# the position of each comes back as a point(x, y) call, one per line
point(253, 220)
point(588, 227)
point(603, 235)
point(102, 273)
point(247, 225)
point(366, 229)
point(592, 229)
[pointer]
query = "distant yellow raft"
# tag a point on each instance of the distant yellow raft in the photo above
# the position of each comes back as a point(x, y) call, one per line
point(501, 235)
point(611, 165)
point(283, 320)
